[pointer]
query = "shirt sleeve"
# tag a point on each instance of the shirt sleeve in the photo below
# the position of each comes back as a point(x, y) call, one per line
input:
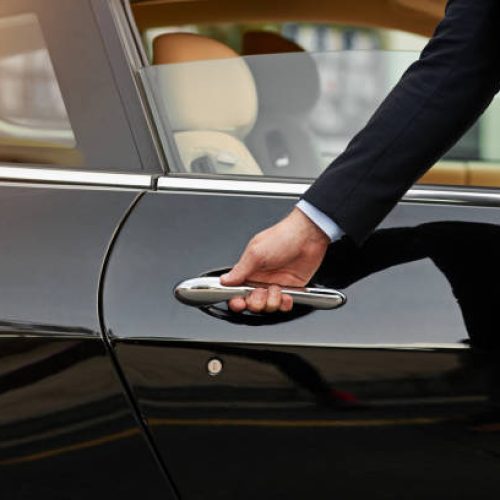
point(330, 228)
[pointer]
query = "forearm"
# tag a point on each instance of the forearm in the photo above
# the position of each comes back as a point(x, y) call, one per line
point(436, 101)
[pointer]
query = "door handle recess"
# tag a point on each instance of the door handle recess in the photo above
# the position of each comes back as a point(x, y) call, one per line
point(207, 291)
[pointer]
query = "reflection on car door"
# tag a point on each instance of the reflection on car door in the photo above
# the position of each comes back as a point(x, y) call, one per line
point(62, 406)
point(382, 398)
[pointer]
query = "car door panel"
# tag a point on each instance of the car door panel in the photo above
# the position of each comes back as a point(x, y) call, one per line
point(351, 402)
point(273, 424)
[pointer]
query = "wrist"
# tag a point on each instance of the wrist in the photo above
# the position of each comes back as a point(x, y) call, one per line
point(307, 228)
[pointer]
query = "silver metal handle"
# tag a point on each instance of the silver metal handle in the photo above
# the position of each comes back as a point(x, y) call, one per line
point(206, 291)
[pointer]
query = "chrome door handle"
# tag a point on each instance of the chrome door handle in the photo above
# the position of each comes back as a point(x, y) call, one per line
point(207, 291)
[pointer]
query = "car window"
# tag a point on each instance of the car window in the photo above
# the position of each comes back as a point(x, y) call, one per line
point(34, 125)
point(290, 114)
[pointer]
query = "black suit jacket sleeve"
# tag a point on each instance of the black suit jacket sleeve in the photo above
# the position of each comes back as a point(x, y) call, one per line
point(436, 101)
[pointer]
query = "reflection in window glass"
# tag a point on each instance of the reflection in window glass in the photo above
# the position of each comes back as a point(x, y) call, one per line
point(32, 111)
point(285, 115)
point(291, 114)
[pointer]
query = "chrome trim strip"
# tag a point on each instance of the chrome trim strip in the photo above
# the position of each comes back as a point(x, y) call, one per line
point(75, 177)
point(453, 196)
point(11, 173)
point(231, 186)
point(483, 198)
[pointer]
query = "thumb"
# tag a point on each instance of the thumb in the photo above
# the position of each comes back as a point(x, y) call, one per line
point(240, 272)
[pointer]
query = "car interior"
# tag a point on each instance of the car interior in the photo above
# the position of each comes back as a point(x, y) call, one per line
point(211, 112)
point(263, 133)
point(244, 124)
point(218, 117)
point(414, 16)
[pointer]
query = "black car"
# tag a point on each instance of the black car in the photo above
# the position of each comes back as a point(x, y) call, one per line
point(141, 145)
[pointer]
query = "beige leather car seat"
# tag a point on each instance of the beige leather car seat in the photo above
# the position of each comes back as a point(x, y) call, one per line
point(210, 100)
point(288, 86)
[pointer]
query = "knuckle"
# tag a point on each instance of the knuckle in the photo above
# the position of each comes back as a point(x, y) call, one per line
point(270, 308)
point(255, 308)
point(255, 252)
point(256, 301)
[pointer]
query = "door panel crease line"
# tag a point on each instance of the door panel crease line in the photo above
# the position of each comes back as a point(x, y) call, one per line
point(127, 389)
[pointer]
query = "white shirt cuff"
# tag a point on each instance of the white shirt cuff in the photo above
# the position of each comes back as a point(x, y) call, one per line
point(330, 228)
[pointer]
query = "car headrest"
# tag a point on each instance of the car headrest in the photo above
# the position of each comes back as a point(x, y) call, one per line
point(205, 84)
point(267, 42)
point(287, 77)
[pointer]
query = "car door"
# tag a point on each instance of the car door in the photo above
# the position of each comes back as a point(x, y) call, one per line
point(392, 395)
point(364, 400)
point(67, 426)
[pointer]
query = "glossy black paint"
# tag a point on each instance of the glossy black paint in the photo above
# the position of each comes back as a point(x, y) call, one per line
point(310, 422)
point(171, 237)
point(383, 398)
point(53, 245)
point(66, 430)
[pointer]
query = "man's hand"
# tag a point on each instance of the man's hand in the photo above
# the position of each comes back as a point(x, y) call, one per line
point(286, 254)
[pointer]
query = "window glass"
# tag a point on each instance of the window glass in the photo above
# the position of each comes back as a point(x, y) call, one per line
point(290, 114)
point(34, 125)
point(284, 115)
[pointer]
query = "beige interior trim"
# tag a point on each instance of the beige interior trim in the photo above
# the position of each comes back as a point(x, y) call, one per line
point(402, 15)
point(433, 8)
point(446, 173)
point(22, 154)
point(450, 173)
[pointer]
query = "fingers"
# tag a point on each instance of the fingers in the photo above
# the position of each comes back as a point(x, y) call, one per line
point(248, 263)
point(239, 273)
point(237, 304)
point(263, 300)
point(234, 277)
point(286, 303)
point(273, 301)
point(256, 300)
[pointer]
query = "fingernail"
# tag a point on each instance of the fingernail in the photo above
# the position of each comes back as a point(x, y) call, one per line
point(224, 276)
